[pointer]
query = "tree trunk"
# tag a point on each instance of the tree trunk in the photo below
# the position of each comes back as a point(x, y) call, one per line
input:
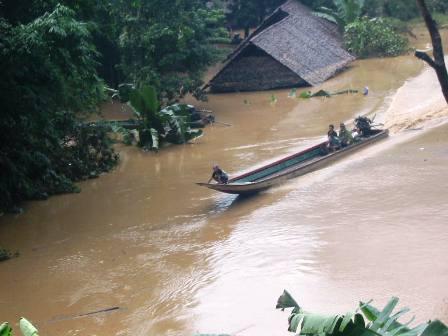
point(438, 63)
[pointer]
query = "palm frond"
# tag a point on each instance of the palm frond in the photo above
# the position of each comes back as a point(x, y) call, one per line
point(326, 16)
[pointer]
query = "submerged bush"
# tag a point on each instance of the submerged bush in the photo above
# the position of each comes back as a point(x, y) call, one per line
point(373, 37)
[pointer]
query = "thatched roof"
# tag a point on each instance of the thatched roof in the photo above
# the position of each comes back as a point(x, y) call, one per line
point(308, 45)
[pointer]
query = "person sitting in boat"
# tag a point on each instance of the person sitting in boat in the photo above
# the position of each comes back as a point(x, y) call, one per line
point(219, 175)
point(345, 136)
point(333, 140)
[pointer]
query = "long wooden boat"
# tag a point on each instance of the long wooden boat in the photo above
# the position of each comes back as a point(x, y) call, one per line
point(291, 166)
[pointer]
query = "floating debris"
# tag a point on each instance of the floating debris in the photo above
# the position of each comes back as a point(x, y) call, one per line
point(324, 93)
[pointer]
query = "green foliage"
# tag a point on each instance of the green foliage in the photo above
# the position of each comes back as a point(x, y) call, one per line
point(315, 4)
point(401, 9)
point(382, 323)
point(441, 19)
point(48, 74)
point(373, 37)
point(250, 13)
point(5, 329)
point(145, 105)
point(440, 6)
point(166, 44)
point(397, 25)
point(287, 301)
point(436, 328)
point(169, 124)
point(374, 8)
point(344, 12)
point(26, 328)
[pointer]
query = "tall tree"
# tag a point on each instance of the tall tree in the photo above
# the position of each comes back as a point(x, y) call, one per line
point(438, 62)
point(167, 44)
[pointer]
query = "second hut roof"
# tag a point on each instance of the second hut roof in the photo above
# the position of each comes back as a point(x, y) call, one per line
point(308, 45)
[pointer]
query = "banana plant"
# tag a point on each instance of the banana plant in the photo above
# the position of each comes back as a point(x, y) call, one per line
point(379, 322)
point(385, 323)
point(310, 324)
point(145, 104)
point(345, 12)
point(168, 124)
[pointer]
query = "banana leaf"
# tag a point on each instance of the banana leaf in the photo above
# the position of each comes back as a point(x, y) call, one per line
point(304, 323)
point(286, 301)
point(176, 125)
point(326, 16)
point(192, 134)
point(149, 95)
point(384, 315)
point(435, 328)
point(5, 329)
point(123, 92)
point(316, 324)
point(145, 105)
point(384, 323)
point(180, 110)
point(27, 328)
point(137, 103)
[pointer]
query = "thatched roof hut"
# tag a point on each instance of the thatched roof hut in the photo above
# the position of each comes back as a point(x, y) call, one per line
point(292, 47)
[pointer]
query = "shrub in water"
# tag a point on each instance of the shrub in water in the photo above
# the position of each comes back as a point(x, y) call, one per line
point(373, 37)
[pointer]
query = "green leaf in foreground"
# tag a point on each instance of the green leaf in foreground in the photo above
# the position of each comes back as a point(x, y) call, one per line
point(5, 329)
point(435, 328)
point(27, 328)
point(382, 322)
point(385, 323)
point(286, 301)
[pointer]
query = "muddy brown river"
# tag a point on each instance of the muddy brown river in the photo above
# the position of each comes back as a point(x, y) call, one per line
point(178, 259)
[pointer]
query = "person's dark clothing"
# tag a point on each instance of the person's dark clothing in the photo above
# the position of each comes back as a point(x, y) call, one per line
point(220, 176)
point(332, 133)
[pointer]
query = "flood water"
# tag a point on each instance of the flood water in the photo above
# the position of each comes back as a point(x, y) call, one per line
point(179, 259)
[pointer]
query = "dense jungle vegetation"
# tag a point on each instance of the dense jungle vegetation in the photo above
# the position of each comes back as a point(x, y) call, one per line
point(56, 57)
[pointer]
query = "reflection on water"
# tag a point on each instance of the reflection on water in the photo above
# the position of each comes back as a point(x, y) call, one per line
point(177, 258)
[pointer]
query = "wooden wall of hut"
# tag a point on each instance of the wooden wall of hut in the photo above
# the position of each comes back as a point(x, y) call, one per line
point(254, 70)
